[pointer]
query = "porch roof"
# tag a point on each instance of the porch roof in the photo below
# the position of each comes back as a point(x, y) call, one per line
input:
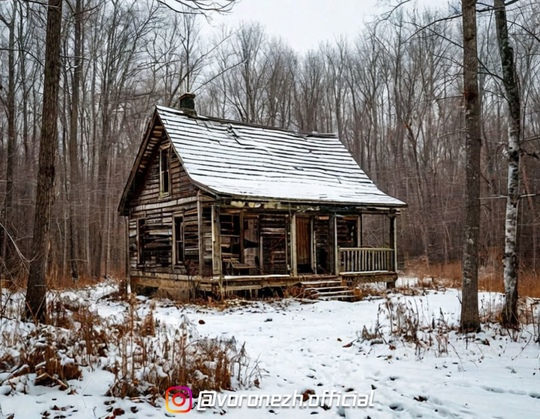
point(254, 162)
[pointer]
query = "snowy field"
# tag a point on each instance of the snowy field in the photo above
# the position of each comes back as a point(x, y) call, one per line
point(329, 349)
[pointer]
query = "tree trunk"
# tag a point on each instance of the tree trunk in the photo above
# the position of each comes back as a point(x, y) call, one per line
point(36, 292)
point(510, 261)
point(6, 217)
point(74, 184)
point(469, 305)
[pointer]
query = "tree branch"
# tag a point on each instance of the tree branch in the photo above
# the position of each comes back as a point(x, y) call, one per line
point(199, 7)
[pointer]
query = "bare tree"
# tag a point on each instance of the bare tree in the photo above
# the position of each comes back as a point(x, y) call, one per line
point(393, 94)
point(36, 292)
point(470, 321)
point(6, 213)
point(203, 7)
point(244, 68)
point(510, 315)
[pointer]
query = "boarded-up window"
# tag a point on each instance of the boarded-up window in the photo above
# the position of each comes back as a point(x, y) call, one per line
point(154, 243)
point(164, 172)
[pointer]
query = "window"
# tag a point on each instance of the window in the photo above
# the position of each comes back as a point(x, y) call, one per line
point(347, 231)
point(178, 239)
point(164, 173)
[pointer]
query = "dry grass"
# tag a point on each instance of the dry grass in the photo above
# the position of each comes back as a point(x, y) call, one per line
point(144, 356)
point(529, 284)
point(490, 277)
point(407, 321)
point(58, 282)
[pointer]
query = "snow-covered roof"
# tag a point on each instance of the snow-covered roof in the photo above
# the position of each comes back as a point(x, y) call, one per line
point(248, 161)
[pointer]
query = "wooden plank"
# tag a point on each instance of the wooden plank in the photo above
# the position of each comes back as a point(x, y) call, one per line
point(303, 241)
point(294, 256)
point(312, 245)
point(393, 240)
point(200, 234)
point(337, 259)
point(216, 242)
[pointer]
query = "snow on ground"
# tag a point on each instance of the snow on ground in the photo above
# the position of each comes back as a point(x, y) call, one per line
point(301, 345)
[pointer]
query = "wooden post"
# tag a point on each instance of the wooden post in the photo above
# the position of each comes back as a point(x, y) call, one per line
point(313, 245)
point(261, 251)
point(217, 264)
point(294, 267)
point(200, 233)
point(242, 256)
point(127, 280)
point(393, 243)
point(393, 239)
point(336, 247)
point(360, 231)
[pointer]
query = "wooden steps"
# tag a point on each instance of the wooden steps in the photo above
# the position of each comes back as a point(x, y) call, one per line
point(327, 290)
point(327, 287)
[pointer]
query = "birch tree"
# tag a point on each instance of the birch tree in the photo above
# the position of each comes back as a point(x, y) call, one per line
point(510, 262)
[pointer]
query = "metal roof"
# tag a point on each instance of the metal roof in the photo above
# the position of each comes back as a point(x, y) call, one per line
point(248, 161)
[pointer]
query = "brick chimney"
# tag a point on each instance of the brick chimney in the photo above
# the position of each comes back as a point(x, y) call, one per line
point(187, 103)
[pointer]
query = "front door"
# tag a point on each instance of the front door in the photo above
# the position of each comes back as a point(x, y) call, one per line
point(304, 245)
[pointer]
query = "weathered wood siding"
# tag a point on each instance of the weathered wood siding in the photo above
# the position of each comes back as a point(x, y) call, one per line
point(181, 186)
point(151, 247)
point(151, 240)
point(206, 234)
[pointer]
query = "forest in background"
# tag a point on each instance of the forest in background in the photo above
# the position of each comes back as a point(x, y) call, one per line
point(393, 94)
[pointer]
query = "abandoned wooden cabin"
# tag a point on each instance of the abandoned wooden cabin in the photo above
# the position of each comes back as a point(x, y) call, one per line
point(219, 206)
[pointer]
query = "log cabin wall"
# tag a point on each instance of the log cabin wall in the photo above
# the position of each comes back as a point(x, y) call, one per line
point(180, 187)
point(155, 218)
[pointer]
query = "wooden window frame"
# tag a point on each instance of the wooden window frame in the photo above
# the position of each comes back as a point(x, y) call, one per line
point(355, 218)
point(178, 258)
point(165, 172)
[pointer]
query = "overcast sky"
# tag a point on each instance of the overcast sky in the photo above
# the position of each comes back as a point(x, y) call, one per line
point(306, 23)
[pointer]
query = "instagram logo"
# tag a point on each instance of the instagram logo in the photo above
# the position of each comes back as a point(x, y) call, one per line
point(178, 399)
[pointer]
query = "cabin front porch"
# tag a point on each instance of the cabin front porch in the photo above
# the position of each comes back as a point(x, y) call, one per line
point(223, 249)
point(356, 266)
point(258, 249)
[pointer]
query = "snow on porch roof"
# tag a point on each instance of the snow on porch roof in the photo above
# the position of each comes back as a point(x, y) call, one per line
point(247, 161)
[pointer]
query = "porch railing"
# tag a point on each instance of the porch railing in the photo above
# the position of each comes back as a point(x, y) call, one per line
point(359, 259)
